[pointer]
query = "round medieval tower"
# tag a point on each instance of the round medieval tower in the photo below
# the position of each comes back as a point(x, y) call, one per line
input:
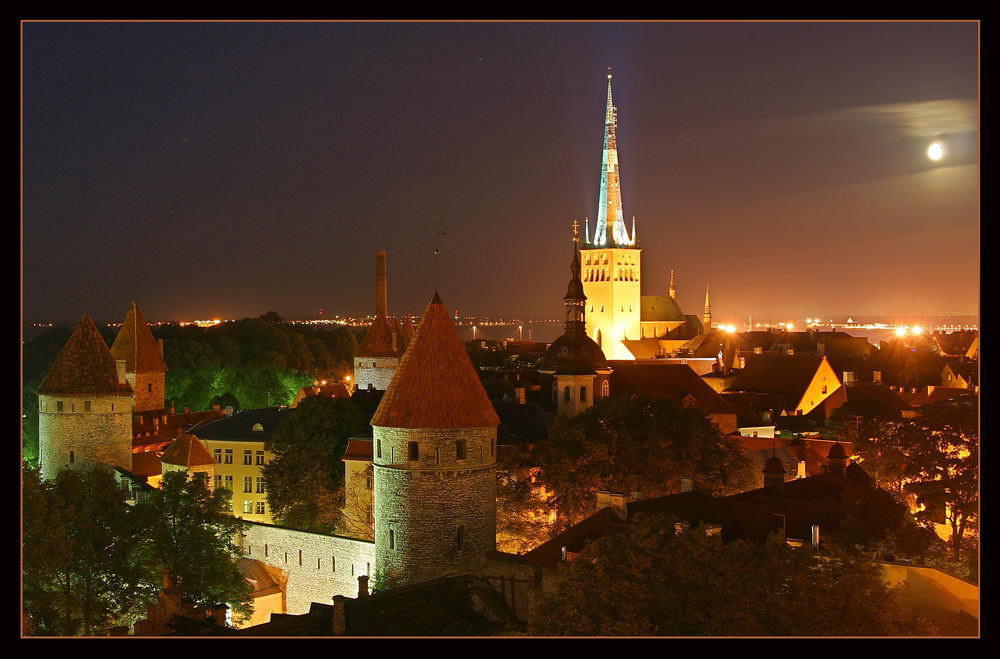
point(84, 407)
point(434, 461)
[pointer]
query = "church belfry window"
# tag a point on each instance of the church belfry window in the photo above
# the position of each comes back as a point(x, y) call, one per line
point(566, 395)
point(583, 394)
point(605, 389)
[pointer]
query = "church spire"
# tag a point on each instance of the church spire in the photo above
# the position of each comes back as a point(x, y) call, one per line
point(672, 291)
point(575, 299)
point(707, 318)
point(611, 230)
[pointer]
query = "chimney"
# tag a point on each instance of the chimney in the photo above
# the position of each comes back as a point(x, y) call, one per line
point(173, 410)
point(687, 483)
point(519, 395)
point(930, 389)
point(815, 537)
point(339, 615)
point(187, 410)
point(848, 378)
point(613, 500)
point(362, 586)
point(218, 614)
point(381, 291)
point(120, 367)
point(801, 473)
point(159, 342)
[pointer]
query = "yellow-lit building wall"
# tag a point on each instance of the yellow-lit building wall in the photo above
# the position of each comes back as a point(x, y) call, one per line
point(824, 383)
point(232, 472)
point(611, 283)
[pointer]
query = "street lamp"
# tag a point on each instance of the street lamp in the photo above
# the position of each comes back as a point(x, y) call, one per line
point(520, 332)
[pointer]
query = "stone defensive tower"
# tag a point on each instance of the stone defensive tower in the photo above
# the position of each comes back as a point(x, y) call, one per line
point(84, 407)
point(145, 369)
point(611, 260)
point(378, 355)
point(434, 460)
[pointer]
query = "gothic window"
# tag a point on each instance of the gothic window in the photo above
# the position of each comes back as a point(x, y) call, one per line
point(605, 387)
point(566, 395)
point(583, 394)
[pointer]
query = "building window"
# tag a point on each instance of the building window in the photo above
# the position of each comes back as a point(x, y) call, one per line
point(229, 456)
point(248, 483)
point(824, 388)
point(86, 406)
point(583, 394)
point(300, 557)
point(265, 550)
point(460, 537)
point(260, 486)
point(71, 457)
point(112, 407)
point(260, 511)
point(492, 445)
point(392, 539)
point(229, 483)
point(72, 407)
point(59, 406)
point(317, 564)
point(257, 427)
point(378, 448)
point(605, 389)
point(248, 507)
point(218, 481)
point(437, 455)
point(260, 457)
point(149, 387)
point(566, 395)
point(460, 449)
point(414, 451)
point(247, 457)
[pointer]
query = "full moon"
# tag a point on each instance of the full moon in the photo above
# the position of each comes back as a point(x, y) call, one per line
point(935, 151)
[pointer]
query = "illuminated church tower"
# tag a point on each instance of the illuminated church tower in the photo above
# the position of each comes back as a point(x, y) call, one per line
point(611, 260)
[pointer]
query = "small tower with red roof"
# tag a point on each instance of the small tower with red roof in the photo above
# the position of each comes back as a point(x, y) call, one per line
point(145, 369)
point(84, 407)
point(434, 460)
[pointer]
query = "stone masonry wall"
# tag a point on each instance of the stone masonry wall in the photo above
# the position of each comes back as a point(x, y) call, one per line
point(102, 434)
point(317, 566)
point(377, 371)
point(421, 504)
point(149, 390)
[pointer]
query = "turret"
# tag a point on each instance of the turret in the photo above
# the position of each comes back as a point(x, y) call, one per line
point(434, 436)
point(145, 368)
point(84, 407)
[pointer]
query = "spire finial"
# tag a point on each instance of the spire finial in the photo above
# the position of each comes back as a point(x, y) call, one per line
point(576, 231)
point(586, 229)
point(672, 290)
point(609, 73)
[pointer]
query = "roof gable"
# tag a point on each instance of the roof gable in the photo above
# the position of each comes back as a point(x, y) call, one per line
point(436, 385)
point(187, 451)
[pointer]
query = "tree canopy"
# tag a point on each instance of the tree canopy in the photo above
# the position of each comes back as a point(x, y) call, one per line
point(628, 444)
point(654, 579)
point(305, 479)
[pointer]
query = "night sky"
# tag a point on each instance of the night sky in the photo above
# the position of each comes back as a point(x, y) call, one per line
point(224, 170)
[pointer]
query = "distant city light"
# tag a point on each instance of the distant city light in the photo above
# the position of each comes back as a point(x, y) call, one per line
point(729, 328)
point(917, 329)
point(900, 331)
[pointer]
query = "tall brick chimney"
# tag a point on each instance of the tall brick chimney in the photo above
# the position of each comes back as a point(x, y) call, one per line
point(381, 290)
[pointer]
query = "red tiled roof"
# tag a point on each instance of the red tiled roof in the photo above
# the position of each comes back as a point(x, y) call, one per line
point(436, 385)
point(378, 340)
point(187, 451)
point(146, 463)
point(408, 331)
point(674, 381)
point(84, 365)
point(358, 449)
point(778, 374)
point(136, 345)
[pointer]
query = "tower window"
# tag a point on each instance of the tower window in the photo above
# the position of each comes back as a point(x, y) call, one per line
point(149, 387)
point(86, 405)
point(333, 564)
point(492, 444)
point(605, 389)
point(71, 457)
point(566, 395)
point(300, 557)
point(437, 456)
point(583, 394)
point(460, 449)
point(414, 451)
point(378, 448)
point(392, 539)
point(460, 538)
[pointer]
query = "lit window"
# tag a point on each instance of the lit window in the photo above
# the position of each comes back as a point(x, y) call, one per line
point(605, 389)
point(229, 456)
point(229, 483)
point(247, 457)
point(218, 481)
point(260, 486)
point(260, 511)
point(248, 507)
point(248, 483)
point(218, 454)
point(257, 427)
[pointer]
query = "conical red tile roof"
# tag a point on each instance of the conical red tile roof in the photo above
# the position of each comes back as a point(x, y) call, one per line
point(187, 451)
point(136, 345)
point(436, 386)
point(378, 340)
point(84, 365)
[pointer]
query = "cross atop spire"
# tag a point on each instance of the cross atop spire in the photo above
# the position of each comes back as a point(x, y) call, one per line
point(576, 231)
point(672, 291)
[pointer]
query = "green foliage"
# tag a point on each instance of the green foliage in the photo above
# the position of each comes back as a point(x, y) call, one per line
point(652, 580)
point(81, 565)
point(523, 520)
point(187, 531)
point(305, 479)
point(627, 444)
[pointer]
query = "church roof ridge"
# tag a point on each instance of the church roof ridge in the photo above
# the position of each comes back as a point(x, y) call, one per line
point(436, 386)
point(84, 365)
